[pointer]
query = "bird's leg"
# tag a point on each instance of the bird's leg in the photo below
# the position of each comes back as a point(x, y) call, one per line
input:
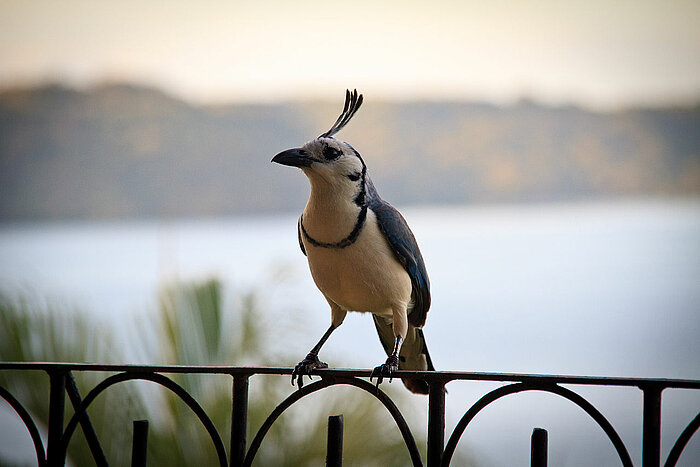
point(390, 366)
point(311, 361)
point(400, 327)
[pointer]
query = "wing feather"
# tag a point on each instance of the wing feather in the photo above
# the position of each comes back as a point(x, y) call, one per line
point(403, 243)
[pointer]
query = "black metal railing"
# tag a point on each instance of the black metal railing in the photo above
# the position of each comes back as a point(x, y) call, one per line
point(439, 453)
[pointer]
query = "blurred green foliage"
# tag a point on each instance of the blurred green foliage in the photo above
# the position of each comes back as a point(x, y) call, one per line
point(193, 326)
point(42, 332)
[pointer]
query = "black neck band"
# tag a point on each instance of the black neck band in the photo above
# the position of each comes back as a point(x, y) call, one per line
point(347, 241)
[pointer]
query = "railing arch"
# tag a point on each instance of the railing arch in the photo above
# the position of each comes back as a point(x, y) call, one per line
point(522, 387)
point(28, 423)
point(327, 382)
point(681, 442)
point(157, 378)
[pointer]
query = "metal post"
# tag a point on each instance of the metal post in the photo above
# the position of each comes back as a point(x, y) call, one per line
point(436, 423)
point(651, 434)
point(56, 410)
point(538, 448)
point(139, 444)
point(334, 448)
point(239, 419)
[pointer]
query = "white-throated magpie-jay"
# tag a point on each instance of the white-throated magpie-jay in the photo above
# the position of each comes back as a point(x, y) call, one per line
point(362, 255)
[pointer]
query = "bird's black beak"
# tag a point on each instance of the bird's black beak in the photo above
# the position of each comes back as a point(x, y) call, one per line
point(296, 157)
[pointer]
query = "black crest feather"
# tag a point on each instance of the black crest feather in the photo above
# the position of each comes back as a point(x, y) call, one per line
point(352, 103)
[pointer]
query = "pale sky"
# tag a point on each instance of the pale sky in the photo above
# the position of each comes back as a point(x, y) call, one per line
point(599, 53)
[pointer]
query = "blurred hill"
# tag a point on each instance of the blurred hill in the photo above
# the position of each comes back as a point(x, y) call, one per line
point(124, 151)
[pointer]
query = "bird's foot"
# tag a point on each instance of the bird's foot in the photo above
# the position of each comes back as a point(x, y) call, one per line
point(305, 367)
point(385, 370)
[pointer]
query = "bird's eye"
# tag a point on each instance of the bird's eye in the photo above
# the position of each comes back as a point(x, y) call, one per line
point(330, 153)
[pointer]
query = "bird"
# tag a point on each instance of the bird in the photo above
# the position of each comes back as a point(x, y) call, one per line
point(362, 255)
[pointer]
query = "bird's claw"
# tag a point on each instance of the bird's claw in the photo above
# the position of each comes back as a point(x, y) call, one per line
point(305, 367)
point(385, 370)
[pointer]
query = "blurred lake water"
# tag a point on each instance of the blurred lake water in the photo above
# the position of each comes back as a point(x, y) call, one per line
point(600, 288)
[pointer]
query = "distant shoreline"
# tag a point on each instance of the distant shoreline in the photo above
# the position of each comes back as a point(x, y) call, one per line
point(123, 151)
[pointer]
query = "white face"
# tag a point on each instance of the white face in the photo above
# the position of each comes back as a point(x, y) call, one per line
point(335, 162)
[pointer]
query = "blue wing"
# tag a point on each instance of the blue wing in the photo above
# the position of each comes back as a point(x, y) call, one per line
point(396, 230)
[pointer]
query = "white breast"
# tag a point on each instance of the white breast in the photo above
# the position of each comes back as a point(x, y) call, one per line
point(364, 276)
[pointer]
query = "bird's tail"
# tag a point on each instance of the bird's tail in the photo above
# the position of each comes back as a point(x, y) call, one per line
point(414, 352)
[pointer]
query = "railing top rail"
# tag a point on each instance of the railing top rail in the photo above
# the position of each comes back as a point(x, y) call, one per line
point(440, 376)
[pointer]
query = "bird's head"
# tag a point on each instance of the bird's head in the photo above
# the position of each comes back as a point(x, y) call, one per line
point(326, 159)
